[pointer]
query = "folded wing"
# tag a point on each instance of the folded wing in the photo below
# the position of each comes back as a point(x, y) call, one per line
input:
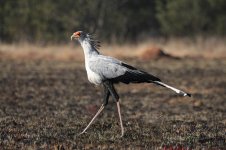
point(117, 71)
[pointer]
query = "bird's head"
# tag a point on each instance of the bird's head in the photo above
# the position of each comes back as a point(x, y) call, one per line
point(82, 36)
point(79, 35)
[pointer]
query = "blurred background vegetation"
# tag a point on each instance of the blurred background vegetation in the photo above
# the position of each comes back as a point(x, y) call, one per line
point(53, 21)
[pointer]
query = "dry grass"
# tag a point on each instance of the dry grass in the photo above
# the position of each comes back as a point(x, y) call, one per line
point(206, 48)
point(50, 52)
point(200, 47)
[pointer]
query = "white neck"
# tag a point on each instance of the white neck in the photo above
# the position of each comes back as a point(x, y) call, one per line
point(88, 49)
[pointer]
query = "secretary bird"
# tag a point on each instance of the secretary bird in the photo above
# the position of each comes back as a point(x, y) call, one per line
point(108, 71)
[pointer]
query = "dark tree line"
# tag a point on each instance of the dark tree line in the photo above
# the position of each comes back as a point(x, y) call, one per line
point(112, 20)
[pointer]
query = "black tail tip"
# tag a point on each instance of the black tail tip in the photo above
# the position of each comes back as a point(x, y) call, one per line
point(188, 94)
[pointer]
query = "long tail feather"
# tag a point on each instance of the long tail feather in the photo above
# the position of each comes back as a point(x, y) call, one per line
point(172, 88)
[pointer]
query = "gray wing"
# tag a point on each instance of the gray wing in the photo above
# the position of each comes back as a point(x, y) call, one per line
point(118, 71)
point(107, 67)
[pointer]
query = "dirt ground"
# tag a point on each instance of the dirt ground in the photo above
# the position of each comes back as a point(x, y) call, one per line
point(45, 104)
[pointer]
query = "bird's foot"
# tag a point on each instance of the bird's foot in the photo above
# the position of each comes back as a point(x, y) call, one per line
point(82, 133)
point(122, 134)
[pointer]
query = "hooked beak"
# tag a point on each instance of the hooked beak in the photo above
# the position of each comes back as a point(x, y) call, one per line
point(74, 36)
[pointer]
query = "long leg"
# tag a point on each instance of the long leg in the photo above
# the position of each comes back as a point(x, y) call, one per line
point(112, 90)
point(106, 95)
point(98, 112)
point(115, 96)
point(105, 102)
point(120, 118)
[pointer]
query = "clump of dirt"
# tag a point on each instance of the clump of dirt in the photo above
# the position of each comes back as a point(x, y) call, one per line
point(154, 53)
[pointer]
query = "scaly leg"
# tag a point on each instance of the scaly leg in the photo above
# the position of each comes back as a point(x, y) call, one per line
point(115, 96)
point(120, 118)
point(98, 112)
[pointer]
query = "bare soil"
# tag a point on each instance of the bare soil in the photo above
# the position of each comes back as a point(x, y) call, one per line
point(45, 104)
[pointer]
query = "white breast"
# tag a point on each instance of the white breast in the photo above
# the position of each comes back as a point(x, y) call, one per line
point(92, 76)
